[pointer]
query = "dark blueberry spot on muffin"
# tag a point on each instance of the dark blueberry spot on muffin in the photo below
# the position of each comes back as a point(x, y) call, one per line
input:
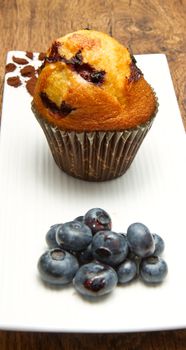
point(48, 103)
point(133, 59)
point(66, 108)
point(135, 73)
point(76, 60)
point(54, 54)
point(97, 77)
point(90, 74)
point(63, 110)
point(85, 70)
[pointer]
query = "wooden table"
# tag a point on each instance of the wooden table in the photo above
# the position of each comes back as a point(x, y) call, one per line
point(145, 26)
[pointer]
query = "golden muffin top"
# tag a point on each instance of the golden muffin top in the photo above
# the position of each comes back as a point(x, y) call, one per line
point(90, 82)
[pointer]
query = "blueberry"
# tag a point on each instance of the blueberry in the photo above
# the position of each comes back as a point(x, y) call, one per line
point(98, 220)
point(109, 247)
point(74, 235)
point(159, 244)
point(153, 269)
point(51, 236)
point(86, 255)
point(79, 218)
point(56, 266)
point(126, 271)
point(95, 279)
point(140, 240)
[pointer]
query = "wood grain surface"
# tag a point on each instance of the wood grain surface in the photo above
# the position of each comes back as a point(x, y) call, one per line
point(145, 26)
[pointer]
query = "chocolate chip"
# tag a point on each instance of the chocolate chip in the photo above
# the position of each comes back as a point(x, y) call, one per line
point(29, 54)
point(41, 56)
point(10, 67)
point(27, 71)
point(19, 60)
point(30, 85)
point(14, 81)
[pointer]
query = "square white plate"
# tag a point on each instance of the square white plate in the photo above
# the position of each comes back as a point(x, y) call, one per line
point(35, 194)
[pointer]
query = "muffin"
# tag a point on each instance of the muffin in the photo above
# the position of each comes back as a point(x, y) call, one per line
point(93, 104)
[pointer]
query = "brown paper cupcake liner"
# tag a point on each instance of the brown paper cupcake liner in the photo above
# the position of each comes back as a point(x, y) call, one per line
point(94, 156)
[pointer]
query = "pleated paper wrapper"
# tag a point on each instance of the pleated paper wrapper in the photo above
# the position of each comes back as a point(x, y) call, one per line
point(94, 156)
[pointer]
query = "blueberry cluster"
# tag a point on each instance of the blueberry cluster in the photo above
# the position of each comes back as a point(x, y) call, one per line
point(88, 253)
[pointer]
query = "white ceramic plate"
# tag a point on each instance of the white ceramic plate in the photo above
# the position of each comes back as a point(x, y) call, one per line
point(35, 194)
